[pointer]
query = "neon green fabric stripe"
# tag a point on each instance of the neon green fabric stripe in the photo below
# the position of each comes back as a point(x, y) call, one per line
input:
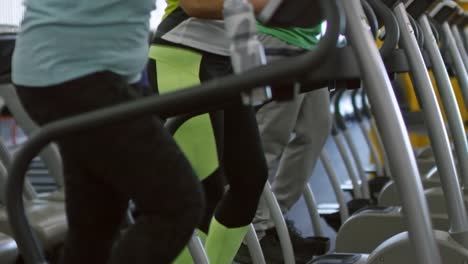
point(177, 69)
point(171, 6)
point(223, 243)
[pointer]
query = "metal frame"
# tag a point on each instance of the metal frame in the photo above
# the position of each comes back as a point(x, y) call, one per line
point(197, 250)
point(373, 127)
point(337, 137)
point(346, 157)
point(459, 41)
point(311, 204)
point(436, 128)
point(449, 99)
point(394, 136)
point(50, 155)
point(280, 224)
point(254, 247)
point(336, 185)
point(465, 34)
point(364, 128)
point(6, 157)
point(359, 165)
point(458, 65)
point(339, 132)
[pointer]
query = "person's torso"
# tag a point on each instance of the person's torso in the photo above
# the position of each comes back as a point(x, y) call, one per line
point(209, 35)
point(305, 38)
point(65, 39)
point(202, 34)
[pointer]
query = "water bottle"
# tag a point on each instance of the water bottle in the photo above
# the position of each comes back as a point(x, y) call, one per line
point(246, 50)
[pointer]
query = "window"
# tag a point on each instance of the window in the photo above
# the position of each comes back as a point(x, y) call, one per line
point(11, 12)
point(156, 15)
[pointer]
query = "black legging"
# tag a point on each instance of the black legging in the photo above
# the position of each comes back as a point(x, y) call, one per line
point(106, 167)
point(244, 166)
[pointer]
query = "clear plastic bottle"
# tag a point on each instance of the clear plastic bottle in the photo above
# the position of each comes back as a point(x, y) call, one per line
point(246, 50)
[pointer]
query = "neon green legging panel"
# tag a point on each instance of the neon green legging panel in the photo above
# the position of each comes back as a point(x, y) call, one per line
point(177, 69)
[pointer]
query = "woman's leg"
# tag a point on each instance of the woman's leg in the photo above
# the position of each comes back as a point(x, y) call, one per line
point(105, 167)
point(242, 160)
point(246, 173)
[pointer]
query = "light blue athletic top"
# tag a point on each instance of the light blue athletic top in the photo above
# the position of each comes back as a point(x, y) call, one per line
point(61, 40)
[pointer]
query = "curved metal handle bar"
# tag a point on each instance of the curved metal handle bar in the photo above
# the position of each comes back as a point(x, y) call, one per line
point(357, 110)
point(441, 39)
point(50, 155)
point(339, 119)
point(423, 37)
point(335, 183)
point(367, 111)
point(371, 17)
point(334, 129)
point(392, 30)
point(221, 89)
point(435, 29)
point(311, 204)
point(417, 31)
point(365, 131)
point(253, 244)
point(449, 102)
point(440, 5)
point(348, 161)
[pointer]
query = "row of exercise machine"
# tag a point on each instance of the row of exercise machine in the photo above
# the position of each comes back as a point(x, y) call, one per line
point(415, 194)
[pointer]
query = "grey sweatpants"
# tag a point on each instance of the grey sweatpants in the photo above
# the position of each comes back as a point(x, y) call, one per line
point(293, 134)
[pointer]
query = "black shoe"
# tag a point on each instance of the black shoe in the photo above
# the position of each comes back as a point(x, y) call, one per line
point(271, 249)
point(305, 248)
point(243, 255)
